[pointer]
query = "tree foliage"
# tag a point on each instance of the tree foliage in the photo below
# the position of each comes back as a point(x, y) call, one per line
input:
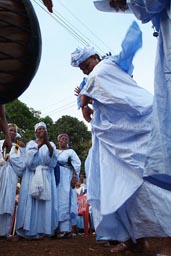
point(25, 118)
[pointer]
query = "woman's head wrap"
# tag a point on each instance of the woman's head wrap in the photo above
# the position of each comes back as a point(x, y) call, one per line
point(39, 125)
point(81, 54)
point(62, 135)
point(12, 125)
point(104, 6)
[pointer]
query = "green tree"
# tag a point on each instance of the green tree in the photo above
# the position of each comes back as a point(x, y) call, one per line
point(17, 112)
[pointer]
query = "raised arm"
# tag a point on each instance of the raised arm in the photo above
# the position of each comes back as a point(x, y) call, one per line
point(4, 127)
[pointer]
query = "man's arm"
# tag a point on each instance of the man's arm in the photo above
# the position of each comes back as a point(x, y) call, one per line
point(86, 110)
point(4, 127)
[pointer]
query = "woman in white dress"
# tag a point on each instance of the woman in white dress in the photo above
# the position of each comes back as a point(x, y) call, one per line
point(126, 206)
point(12, 166)
point(37, 208)
point(69, 169)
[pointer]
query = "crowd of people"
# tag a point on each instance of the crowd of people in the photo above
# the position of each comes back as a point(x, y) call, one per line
point(47, 202)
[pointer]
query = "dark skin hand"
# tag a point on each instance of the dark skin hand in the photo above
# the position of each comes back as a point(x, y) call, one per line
point(20, 143)
point(43, 138)
point(86, 110)
point(77, 90)
point(118, 5)
point(48, 4)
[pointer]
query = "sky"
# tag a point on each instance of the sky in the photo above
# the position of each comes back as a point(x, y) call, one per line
point(77, 23)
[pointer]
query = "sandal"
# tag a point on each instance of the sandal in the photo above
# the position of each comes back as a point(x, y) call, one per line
point(64, 235)
point(119, 248)
point(103, 243)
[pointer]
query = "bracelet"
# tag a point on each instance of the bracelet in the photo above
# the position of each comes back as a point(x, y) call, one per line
point(86, 106)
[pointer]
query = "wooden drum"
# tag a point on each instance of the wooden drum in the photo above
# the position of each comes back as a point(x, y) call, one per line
point(20, 47)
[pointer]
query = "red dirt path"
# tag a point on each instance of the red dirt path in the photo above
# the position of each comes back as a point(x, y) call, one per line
point(79, 245)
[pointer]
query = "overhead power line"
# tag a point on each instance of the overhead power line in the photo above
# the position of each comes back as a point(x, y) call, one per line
point(78, 35)
point(84, 25)
point(61, 108)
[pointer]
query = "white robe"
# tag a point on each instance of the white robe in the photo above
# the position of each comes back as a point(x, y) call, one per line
point(159, 152)
point(37, 217)
point(67, 197)
point(121, 126)
point(10, 170)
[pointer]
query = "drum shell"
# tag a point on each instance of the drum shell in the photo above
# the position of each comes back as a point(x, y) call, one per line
point(20, 47)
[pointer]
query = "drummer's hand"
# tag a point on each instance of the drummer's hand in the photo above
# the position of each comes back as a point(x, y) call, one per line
point(48, 4)
point(118, 5)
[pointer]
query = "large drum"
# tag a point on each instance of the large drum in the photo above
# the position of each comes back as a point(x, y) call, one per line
point(20, 47)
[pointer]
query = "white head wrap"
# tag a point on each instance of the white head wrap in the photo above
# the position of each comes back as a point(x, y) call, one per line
point(62, 135)
point(104, 6)
point(81, 54)
point(39, 125)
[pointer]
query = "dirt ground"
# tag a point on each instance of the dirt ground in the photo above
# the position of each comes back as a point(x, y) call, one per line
point(79, 245)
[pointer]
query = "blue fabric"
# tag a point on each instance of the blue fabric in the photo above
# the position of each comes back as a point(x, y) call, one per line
point(149, 10)
point(130, 45)
point(159, 148)
point(81, 86)
point(57, 173)
point(160, 180)
point(67, 164)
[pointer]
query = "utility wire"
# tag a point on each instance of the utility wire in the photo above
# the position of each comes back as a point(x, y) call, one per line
point(87, 40)
point(79, 36)
point(76, 34)
point(57, 103)
point(84, 25)
point(63, 24)
point(61, 108)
